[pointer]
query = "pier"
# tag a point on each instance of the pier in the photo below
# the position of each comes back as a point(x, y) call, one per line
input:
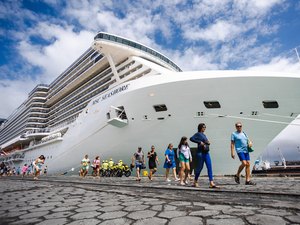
point(71, 200)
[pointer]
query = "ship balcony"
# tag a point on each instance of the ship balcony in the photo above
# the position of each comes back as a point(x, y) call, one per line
point(37, 133)
point(120, 119)
point(117, 122)
point(55, 96)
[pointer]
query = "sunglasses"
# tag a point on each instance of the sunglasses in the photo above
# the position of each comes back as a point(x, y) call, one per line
point(239, 126)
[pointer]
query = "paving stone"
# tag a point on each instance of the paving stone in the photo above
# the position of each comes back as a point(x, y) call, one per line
point(275, 212)
point(266, 220)
point(239, 212)
point(169, 207)
point(180, 203)
point(119, 221)
point(151, 221)
point(112, 215)
point(8, 207)
point(26, 221)
point(200, 204)
point(155, 202)
point(204, 213)
point(59, 215)
point(85, 222)
point(86, 215)
point(17, 209)
point(218, 207)
point(110, 203)
point(15, 214)
point(71, 200)
point(141, 214)
point(222, 216)
point(88, 204)
point(50, 203)
point(87, 209)
point(39, 209)
point(60, 221)
point(247, 207)
point(294, 219)
point(138, 208)
point(155, 208)
point(134, 203)
point(190, 220)
point(172, 214)
point(110, 208)
point(61, 209)
point(236, 221)
point(70, 203)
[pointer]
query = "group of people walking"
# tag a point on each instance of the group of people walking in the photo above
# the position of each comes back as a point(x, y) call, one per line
point(239, 144)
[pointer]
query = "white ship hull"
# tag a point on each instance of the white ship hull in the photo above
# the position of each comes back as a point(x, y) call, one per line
point(240, 95)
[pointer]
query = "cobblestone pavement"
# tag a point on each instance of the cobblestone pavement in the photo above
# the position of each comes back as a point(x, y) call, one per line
point(70, 200)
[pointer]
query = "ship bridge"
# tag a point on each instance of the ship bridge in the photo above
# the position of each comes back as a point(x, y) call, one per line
point(110, 44)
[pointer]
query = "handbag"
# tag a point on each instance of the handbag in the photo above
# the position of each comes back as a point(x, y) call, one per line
point(205, 148)
point(250, 149)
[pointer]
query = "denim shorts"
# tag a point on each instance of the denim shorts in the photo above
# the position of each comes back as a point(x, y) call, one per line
point(183, 159)
point(244, 156)
point(138, 165)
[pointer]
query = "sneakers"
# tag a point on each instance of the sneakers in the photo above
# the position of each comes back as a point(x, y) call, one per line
point(177, 179)
point(168, 180)
point(237, 179)
point(250, 183)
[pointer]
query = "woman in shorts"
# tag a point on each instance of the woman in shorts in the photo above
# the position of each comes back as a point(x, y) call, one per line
point(37, 166)
point(85, 162)
point(96, 167)
point(185, 157)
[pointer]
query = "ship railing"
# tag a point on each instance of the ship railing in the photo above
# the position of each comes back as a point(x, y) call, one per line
point(43, 130)
point(13, 157)
point(63, 124)
point(47, 139)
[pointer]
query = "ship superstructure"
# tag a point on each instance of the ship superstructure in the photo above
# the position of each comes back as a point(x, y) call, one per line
point(121, 94)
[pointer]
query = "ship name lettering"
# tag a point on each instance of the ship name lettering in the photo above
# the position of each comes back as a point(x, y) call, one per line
point(113, 92)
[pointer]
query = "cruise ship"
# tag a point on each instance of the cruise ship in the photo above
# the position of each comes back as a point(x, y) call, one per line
point(120, 94)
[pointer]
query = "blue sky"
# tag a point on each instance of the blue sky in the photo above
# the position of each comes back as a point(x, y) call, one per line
point(40, 39)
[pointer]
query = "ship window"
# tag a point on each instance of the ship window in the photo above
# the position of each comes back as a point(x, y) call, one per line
point(212, 104)
point(200, 114)
point(160, 108)
point(270, 104)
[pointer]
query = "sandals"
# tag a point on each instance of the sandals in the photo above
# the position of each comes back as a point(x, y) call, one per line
point(214, 186)
point(237, 179)
point(250, 183)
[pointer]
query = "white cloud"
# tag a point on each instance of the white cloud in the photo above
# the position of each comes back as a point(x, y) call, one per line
point(279, 64)
point(220, 31)
point(56, 57)
point(13, 93)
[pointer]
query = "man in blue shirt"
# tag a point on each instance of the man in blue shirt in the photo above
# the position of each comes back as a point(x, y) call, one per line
point(240, 142)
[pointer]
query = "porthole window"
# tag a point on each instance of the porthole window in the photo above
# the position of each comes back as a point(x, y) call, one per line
point(160, 108)
point(212, 104)
point(270, 104)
